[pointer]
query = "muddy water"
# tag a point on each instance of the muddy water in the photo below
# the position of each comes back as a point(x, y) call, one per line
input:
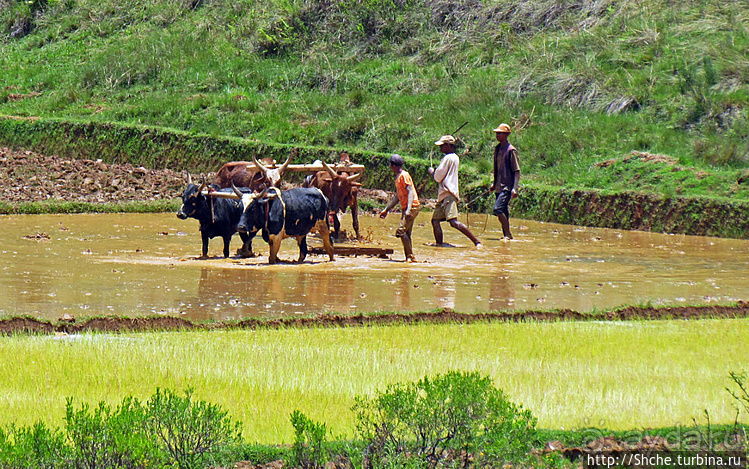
point(136, 265)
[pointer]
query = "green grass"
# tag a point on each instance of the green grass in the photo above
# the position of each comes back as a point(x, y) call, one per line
point(581, 83)
point(619, 376)
point(61, 206)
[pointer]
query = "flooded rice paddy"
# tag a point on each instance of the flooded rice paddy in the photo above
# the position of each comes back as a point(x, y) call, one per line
point(146, 264)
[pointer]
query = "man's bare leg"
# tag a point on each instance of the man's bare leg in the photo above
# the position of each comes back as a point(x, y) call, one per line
point(464, 229)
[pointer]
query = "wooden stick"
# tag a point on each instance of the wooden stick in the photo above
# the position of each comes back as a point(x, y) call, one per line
point(353, 251)
point(354, 168)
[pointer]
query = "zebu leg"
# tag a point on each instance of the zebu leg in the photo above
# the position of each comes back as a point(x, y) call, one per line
point(355, 218)
point(324, 230)
point(301, 241)
point(275, 245)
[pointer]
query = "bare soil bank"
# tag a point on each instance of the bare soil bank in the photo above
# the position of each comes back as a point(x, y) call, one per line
point(70, 325)
point(26, 176)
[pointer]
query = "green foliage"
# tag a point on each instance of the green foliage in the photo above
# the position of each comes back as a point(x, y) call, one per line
point(310, 446)
point(257, 453)
point(35, 447)
point(392, 75)
point(189, 431)
point(166, 431)
point(451, 420)
point(741, 394)
point(106, 438)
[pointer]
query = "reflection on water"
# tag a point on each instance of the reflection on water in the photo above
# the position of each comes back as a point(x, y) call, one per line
point(146, 264)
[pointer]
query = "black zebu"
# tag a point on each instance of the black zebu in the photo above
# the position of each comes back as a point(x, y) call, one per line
point(286, 214)
point(217, 216)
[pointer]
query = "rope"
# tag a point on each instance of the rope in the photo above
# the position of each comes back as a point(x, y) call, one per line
point(477, 198)
point(486, 222)
point(213, 215)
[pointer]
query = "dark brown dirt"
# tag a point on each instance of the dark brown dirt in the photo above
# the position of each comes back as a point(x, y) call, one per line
point(70, 325)
point(26, 176)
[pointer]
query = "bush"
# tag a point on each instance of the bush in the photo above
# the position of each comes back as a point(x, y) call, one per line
point(451, 420)
point(103, 438)
point(189, 432)
point(309, 450)
point(167, 431)
point(34, 447)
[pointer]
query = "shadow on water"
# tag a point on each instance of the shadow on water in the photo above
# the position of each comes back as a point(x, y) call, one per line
point(146, 264)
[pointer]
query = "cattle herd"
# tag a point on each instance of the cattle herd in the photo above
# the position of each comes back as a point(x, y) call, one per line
point(244, 198)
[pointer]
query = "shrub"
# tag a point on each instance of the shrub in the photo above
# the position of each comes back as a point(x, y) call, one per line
point(35, 447)
point(103, 438)
point(309, 450)
point(451, 420)
point(741, 396)
point(189, 432)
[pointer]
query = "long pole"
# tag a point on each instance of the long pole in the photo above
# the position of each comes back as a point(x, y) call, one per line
point(458, 129)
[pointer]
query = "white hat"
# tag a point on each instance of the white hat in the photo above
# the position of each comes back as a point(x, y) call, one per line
point(445, 139)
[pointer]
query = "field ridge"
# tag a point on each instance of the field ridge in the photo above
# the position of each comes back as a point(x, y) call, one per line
point(70, 325)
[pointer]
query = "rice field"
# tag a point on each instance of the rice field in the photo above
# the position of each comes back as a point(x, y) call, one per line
point(621, 375)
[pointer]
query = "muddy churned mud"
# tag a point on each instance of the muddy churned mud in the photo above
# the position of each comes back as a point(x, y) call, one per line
point(70, 325)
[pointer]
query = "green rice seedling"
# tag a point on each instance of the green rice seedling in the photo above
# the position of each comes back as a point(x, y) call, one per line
point(619, 375)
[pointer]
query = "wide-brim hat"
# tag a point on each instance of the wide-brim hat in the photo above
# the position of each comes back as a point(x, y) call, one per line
point(445, 139)
point(503, 128)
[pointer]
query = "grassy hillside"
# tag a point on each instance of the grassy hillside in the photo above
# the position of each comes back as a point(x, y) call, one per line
point(611, 94)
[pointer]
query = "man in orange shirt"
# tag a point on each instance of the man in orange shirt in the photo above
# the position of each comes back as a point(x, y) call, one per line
point(410, 205)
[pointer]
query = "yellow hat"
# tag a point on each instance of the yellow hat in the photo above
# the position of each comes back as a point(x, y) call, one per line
point(445, 139)
point(503, 128)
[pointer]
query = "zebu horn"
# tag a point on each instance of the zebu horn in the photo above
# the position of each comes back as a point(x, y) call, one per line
point(202, 187)
point(354, 177)
point(189, 177)
point(329, 169)
point(259, 164)
point(269, 193)
point(284, 166)
point(236, 191)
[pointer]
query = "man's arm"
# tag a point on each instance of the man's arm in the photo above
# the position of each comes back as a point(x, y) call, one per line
point(495, 170)
point(411, 198)
point(390, 206)
point(514, 192)
point(516, 179)
point(441, 171)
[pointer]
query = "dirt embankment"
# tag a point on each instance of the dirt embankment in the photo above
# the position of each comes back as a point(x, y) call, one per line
point(26, 176)
point(70, 325)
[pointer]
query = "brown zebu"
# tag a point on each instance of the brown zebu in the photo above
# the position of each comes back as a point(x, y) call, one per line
point(254, 175)
point(341, 189)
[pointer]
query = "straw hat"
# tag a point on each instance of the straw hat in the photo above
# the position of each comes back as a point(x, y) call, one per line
point(445, 139)
point(503, 128)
